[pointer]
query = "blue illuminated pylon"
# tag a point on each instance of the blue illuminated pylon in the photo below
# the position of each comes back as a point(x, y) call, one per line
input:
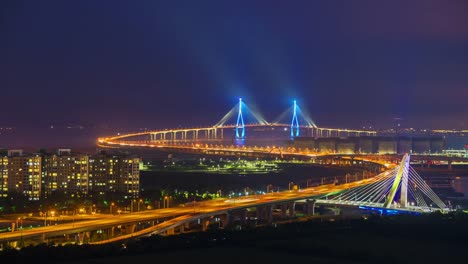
point(240, 122)
point(295, 122)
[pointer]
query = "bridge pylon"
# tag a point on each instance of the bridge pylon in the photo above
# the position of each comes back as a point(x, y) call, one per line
point(295, 128)
point(240, 125)
point(401, 179)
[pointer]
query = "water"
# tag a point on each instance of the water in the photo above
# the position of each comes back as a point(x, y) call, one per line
point(298, 174)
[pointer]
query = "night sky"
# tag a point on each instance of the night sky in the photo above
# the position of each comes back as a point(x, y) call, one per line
point(110, 65)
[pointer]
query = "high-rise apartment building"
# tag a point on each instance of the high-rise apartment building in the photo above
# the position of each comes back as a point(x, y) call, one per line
point(3, 176)
point(114, 174)
point(24, 175)
point(65, 173)
point(70, 174)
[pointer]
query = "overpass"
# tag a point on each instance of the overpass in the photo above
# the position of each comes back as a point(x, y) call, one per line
point(377, 193)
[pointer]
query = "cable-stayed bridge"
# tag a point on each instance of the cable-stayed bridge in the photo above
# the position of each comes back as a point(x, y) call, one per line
point(400, 188)
point(234, 125)
point(230, 137)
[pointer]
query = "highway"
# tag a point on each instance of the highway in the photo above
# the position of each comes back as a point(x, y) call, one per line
point(187, 212)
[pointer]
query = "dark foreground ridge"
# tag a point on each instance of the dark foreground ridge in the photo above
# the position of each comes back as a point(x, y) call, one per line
point(433, 238)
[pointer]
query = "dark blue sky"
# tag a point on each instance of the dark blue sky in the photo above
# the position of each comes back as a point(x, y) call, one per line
point(167, 63)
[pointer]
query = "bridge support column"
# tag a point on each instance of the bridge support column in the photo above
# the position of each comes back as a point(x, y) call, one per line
point(309, 207)
point(259, 212)
point(130, 229)
point(292, 209)
point(170, 231)
point(86, 237)
point(449, 165)
point(205, 223)
point(225, 219)
point(284, 210)
point(80, 238)
point(269, 214)
point(265, 213)
point(243, 216)
point(111, 232)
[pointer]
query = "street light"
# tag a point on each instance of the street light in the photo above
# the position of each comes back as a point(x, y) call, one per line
point(138, 206)
point(166, 202)
point(111, 205)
